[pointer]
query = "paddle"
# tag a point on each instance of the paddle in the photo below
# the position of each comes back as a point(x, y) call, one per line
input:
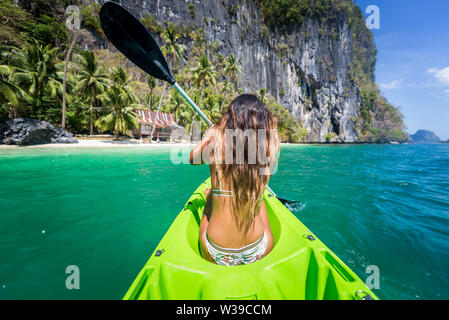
point(134, 40)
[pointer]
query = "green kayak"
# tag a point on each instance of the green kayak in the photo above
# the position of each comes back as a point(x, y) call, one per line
point(299, 267)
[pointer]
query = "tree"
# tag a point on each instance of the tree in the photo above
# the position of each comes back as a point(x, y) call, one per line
point(303, 134)
point(151, 82)
point(199, 41)
point(150, 98)
point(10, 93)
point(211, 107)
point(204, 73)
point(262, 93)
point(172, 49)
point(330, 137)
point(37, 71)
point(121, 117)
point(212, 48)
point(288, 127)
point(66, 67)
point(227, 89)
point(174, 52)
point(232, 69)
point(91, 81)
point(177, 105)
point(122, 79)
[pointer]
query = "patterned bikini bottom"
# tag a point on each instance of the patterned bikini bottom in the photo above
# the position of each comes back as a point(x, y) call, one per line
point(234, 257)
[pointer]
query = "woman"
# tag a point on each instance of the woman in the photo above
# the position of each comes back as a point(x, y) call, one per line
point(240, 149)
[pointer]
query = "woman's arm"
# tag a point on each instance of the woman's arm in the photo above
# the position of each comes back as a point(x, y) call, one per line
point(266, 222)
point(264, 216)
point(204, 224)
point(196, 156)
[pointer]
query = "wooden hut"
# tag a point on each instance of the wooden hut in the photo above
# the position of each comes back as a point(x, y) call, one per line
point(165, 124)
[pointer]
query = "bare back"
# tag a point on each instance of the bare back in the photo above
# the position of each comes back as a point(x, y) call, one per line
point(221, 228)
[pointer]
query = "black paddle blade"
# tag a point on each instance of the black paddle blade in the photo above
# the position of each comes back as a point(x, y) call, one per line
point(134, 40)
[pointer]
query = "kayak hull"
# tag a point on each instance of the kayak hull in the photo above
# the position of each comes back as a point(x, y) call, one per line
point(299, 267)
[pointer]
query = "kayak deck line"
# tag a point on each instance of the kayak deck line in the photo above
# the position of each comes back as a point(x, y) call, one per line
point(297, 268)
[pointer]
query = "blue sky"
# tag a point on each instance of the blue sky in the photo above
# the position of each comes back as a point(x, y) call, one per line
point(412, 68)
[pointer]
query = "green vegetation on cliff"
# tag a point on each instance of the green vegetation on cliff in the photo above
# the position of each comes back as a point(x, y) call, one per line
point(284, 13)
point(42, 22)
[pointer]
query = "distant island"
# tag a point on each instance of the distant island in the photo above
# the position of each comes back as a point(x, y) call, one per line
point(425, 137)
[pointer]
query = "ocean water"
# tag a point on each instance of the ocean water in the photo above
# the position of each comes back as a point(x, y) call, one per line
point(105, 211)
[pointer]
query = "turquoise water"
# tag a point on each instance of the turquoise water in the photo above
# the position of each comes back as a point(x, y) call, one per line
point(105, 211)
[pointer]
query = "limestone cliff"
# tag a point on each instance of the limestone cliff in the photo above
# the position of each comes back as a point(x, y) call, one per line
point(307, 68)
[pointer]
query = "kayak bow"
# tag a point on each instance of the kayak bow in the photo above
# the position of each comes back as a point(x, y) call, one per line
point(300, 266)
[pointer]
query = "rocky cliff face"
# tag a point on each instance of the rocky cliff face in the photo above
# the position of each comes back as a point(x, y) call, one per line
point(306, 69)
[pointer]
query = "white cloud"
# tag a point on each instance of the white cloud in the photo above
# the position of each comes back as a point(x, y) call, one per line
point(442, 75)
point(391, 85)
point(421, 85)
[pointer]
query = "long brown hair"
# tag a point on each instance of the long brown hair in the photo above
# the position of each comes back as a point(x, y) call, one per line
point(245, 177)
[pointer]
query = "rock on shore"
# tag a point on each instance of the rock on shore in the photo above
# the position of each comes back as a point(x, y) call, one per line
point(23, 132)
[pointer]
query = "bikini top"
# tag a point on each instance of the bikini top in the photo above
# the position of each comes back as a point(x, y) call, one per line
point(220, 192)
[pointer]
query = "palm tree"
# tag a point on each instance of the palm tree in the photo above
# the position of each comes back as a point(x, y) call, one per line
point(10, 93)
point(172, 49)
point(232, 69)
point(199, 41)
point(36, 68)
point(227, 88)
point(150, 99)
point(151, 81)
point(122, 78)
point(204, 73)
point(91, 81)
point(262, 94)
point(66, 67)
point(121, 117)
point(212, 48)
point(177, 105)
point(211, 107)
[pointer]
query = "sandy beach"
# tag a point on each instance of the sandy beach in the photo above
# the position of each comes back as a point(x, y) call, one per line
point(100, 143)
point(107, 143)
